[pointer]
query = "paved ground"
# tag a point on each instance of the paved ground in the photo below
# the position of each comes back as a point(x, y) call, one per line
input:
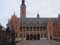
point(39, 42)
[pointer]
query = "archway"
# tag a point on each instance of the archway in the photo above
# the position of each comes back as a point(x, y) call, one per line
point(35, 36)
point(31, 37)
point(51, 37)
point(27, 37)
point(38, 37)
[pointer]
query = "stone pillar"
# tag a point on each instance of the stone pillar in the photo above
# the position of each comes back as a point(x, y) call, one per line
point(43, 36)
point(25, 33)
point(40, 35)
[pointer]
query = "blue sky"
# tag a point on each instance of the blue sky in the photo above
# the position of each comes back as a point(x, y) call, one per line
point(46, 8)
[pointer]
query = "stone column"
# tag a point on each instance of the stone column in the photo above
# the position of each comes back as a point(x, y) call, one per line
point(40, 35)
point(43, 35)
point(25, 33)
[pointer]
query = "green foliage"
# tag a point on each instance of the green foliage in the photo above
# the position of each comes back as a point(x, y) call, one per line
point(5, 43)
point(9, 43)
point(1, 27)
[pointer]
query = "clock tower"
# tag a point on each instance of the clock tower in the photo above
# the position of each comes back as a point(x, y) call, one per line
point(23, 9)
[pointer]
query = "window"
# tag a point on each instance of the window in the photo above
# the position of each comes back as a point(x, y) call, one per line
point(21, 35)
point(27, 28)
point(45, 35)
point(44, 27)
point(41, 28)
point(37, 28)
point(34, 28)
point(24, 29)
point(21, 29)
point(30, 28)
point(41, 35)
point(16, 34)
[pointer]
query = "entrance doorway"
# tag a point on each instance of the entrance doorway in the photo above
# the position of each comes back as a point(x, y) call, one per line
point(38, 37)
point(27, 37)
point(31, 37)
point(51, 37)
point(34, 36)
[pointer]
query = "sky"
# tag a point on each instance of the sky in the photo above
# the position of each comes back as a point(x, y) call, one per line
point(46, 8)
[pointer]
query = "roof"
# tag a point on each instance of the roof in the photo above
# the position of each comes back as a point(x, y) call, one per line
point(35, 21)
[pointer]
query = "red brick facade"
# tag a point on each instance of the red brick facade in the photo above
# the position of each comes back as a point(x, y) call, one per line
point(56, 31)
point(53, 29)
point(50, 29)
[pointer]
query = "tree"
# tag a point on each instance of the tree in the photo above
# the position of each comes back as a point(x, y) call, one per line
point(1, 27)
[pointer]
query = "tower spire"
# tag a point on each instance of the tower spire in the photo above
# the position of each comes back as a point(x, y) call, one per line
point(23, 1)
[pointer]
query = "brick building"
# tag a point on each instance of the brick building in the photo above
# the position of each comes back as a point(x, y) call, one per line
point(3, 36)
point(34, 28)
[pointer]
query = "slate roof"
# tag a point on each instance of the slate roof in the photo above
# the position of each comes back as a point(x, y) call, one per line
point(35, 21)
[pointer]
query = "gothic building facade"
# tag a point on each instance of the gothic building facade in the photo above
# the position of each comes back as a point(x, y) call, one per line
point(34, 28)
